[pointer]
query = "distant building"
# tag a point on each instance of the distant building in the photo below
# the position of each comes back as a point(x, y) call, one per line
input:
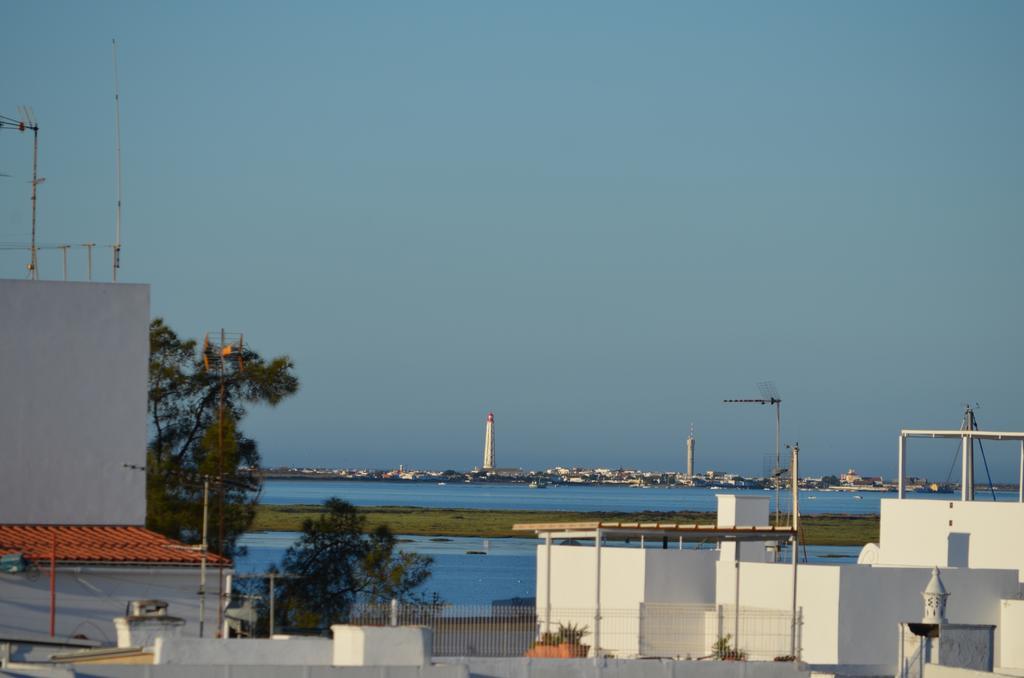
point(489, 442)
point(691, 443)
point(850, 477)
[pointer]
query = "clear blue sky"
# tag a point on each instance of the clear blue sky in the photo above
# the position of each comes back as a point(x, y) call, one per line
point(596, 219)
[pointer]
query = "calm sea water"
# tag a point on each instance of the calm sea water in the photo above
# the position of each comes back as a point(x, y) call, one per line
point(508, 567)
point(564, 497)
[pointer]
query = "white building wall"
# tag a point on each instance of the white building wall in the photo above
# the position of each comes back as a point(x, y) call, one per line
point(88, 599)
point(736, 510)
point(770, 586)
point(629, 576)
point(573, 577)
point(1011, 627)
point(931, 532)
point(74, 365)
point(851, 612)
point(243, 652)
point(874, 600)
point(679, 576)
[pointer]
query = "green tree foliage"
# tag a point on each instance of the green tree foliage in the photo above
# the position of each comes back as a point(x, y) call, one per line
point(186, 440)
point(336, 564)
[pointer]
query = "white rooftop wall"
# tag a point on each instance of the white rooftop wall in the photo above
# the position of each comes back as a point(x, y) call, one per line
point(736, 510)
point(874, 600)
point(851, 612)
point(629, 576)
point(930, 532)
point(74, 359)
point(770, 586)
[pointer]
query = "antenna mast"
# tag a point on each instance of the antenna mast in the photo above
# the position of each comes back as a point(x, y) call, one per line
point(117, 142)
point(770, 396)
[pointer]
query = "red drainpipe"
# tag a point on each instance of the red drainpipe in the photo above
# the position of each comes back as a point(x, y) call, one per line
point(53, 583)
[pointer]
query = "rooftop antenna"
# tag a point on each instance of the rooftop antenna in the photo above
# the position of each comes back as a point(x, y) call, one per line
point(28, 121)
point(117, 142)
point(770, 396)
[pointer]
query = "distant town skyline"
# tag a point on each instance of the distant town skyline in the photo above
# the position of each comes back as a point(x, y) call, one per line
point(597, 220)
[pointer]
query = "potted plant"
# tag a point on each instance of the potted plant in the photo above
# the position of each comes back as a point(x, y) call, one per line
point(724, 651)
point(565, 644)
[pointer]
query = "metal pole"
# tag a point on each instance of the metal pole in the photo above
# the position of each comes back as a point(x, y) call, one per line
point(224, 630)
point(547, 582)
point(902, 469)
point(597, 592)
point(202, 563)
point(53, 583)
point(273, 591)
point(796, 493)
point(970, 443)
point(965, 478)
point(1020, 483)
point(778, 461)
point(220, 493)
point(117, 131)
point(736, 600)
point(88, 247)
point(65, 248)
point(35, 184)
point(795, 541)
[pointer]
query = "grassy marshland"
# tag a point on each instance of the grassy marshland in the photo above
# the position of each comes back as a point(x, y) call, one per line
point(827, 530)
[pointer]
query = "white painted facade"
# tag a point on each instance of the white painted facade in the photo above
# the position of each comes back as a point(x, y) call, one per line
point(1011, 627)
point(973, 534)
point(196, 652)
point(851, 612)
point(630, 577)
point(740, 511)
point(381, 645)
point(74, 359)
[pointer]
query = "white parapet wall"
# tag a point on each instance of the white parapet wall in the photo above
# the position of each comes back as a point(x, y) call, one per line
point(630, 576)
point(625, 668)
point(74, 359)
point(930, 532)
point(243, 652)
point(381, 645)
point(1011, 625)
point(851, 612)
point(735, 510)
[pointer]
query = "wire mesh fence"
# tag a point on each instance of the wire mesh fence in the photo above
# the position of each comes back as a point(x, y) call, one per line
point(682, 631)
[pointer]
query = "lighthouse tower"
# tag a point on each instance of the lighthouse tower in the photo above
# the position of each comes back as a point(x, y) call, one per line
point(691, 443)
point(489, 442)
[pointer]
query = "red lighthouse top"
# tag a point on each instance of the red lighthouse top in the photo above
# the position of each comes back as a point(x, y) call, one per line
point(490, 417)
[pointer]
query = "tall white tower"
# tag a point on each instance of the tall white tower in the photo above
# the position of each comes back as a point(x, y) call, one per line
point(691, 443)
point(489, 442)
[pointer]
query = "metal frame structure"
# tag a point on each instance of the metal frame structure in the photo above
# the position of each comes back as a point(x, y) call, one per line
point(967, 452)
point(600, 532)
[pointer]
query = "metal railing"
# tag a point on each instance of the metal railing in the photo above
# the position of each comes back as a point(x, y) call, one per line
point(681, 631)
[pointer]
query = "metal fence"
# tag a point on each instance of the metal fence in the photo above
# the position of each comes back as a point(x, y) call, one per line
point(651, 630)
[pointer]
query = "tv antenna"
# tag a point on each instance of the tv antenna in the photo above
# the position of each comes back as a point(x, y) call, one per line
point(770, 396)
point(27, 121)
point(117, 148)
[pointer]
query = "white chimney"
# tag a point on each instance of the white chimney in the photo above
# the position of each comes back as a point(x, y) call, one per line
point(935, 595)
point(146, 621)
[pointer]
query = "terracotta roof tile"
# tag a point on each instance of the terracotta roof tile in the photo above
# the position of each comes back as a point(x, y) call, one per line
point(99, 543)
